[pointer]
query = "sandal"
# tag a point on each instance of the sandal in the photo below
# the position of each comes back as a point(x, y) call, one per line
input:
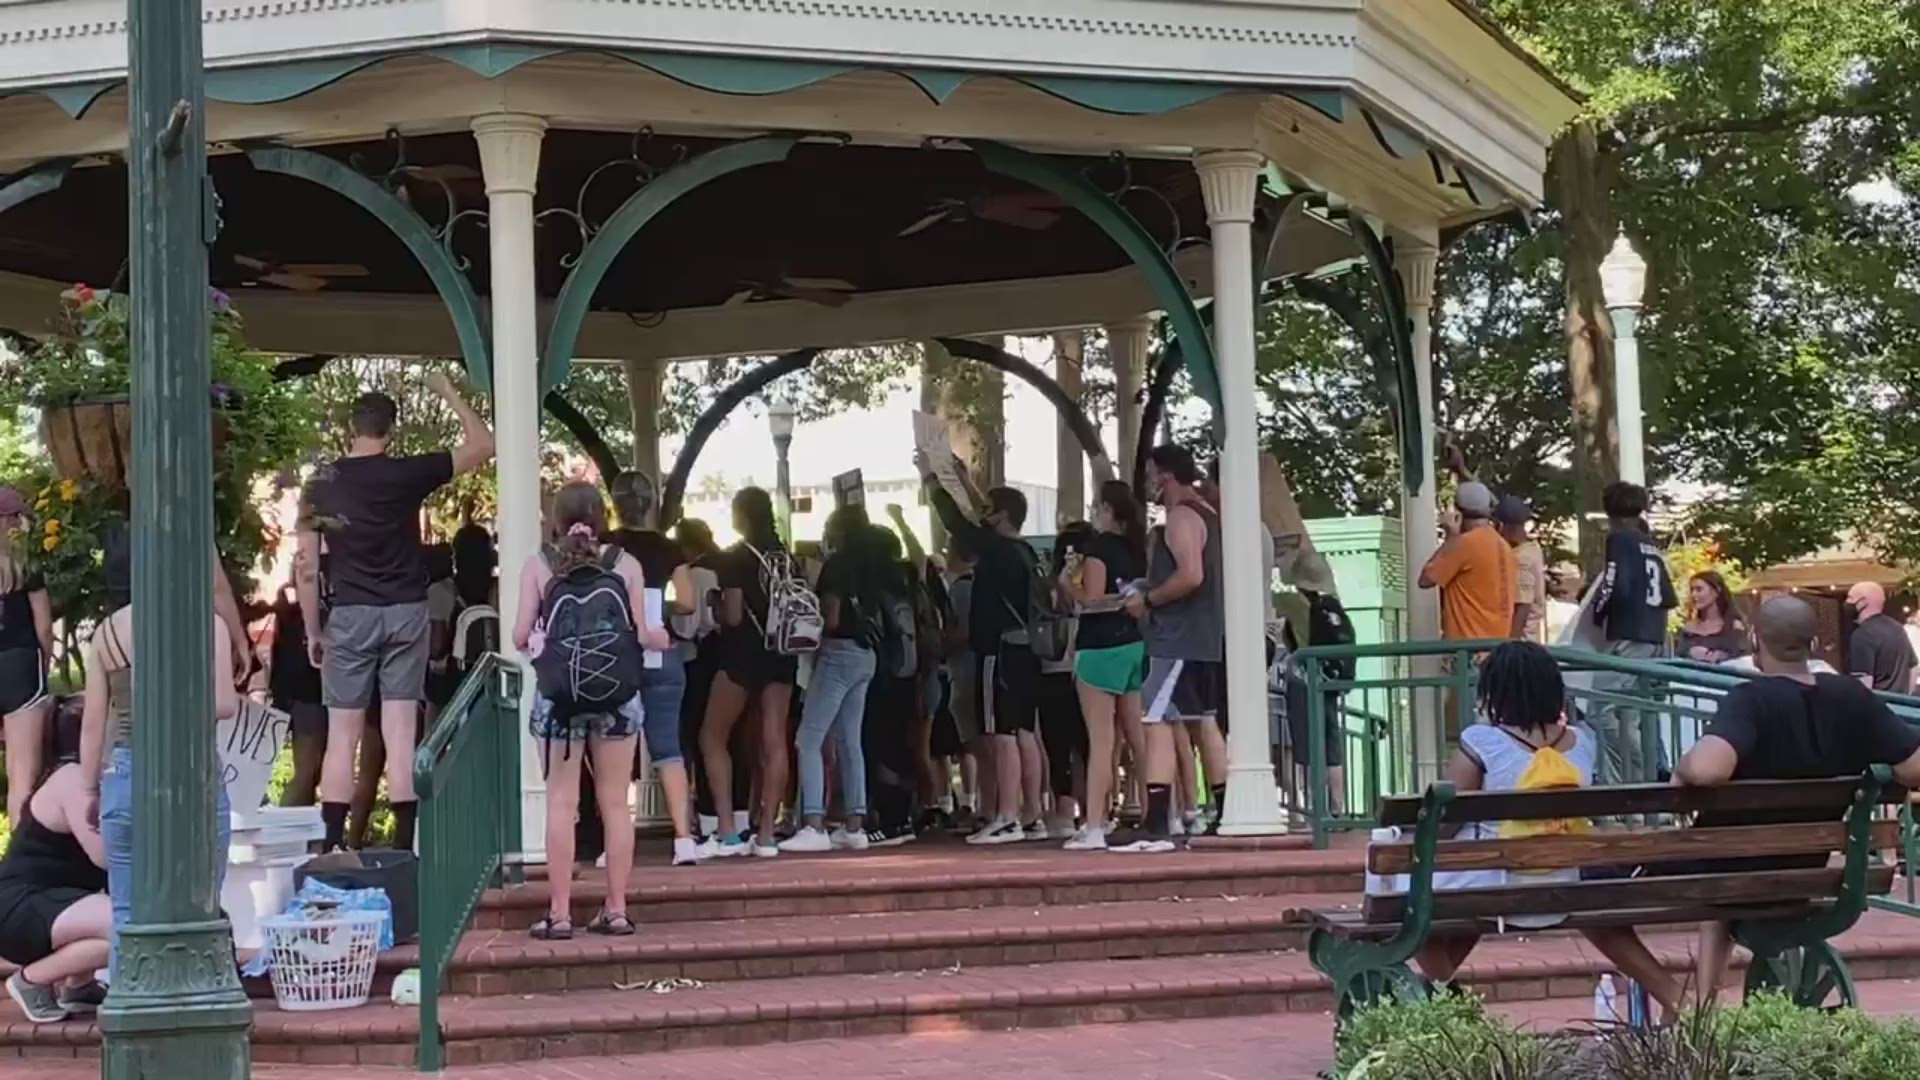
point(611, 925)
point(552, 929)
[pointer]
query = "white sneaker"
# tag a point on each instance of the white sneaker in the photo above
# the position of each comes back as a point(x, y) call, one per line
point(725, 847)
point(686, 852)
point(1145, 847)
point(1176, 825)
point(808, 841)
point(1087, 839)
point(764, 850)
point(1038, 831)
point(999, 832)
point(842, 840)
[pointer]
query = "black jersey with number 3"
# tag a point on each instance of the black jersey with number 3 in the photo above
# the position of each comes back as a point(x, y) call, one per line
point(1635, 593)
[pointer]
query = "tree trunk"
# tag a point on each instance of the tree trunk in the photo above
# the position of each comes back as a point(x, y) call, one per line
point(1580, 175)
point(643, 399)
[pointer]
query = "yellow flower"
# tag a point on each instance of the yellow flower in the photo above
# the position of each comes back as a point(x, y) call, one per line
point(69, 490)
point(53, 527)
point(50, 543)
point(40, 503)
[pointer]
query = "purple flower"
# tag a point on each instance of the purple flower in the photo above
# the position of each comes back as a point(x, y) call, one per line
point(221, 301)
point(222, 395)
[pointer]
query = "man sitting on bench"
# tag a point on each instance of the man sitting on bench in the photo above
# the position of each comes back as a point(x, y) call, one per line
point(1790, 724)
point(1523, 698)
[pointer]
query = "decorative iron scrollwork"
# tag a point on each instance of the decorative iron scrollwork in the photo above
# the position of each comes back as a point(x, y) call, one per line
point(400, 178)
point(647, 158)
point(1113, 175)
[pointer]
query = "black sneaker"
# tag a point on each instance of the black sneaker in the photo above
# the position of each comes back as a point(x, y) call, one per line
point(893, 836)
point(83, 1000)
point(36, 1001)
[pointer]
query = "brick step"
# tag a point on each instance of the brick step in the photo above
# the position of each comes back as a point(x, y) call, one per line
point(508, 962)
point(594, 1022)
point(928, 877)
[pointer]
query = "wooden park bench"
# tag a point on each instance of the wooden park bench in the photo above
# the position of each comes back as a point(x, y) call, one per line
point(1786, 918)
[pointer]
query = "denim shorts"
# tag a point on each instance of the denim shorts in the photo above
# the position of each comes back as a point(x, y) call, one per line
point(116, 834)
point(662, 690)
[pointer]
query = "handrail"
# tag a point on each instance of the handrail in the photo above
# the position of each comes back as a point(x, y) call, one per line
point(466, 776)
point(1673, 699)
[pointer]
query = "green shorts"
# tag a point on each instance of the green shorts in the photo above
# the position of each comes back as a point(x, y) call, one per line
point(1116, 670)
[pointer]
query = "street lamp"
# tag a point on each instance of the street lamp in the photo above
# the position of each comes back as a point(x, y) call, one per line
point(780, 413)
point(1623, 281)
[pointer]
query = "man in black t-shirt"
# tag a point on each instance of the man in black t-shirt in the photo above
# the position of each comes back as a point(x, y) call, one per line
point(1790, 724)
point(367, 505)
point(1633, 597)
point(1878, 652)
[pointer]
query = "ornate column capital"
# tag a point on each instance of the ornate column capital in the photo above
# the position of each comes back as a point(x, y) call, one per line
point(1138, 326)
point(510, 151)
point(1415, 263)
point(1228, 181)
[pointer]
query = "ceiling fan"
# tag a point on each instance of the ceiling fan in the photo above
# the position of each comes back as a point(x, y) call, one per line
point(1036, 211)
point(827, 292)
point(300, 277)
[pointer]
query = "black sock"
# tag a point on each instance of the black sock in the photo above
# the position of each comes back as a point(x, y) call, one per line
point(1159, 805)
point(1217, 794)
point(333, 815)
point(404, 814)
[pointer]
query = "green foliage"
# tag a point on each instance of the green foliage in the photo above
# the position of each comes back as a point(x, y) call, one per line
point(1778, 1039)
point(268, 426)
point(1450, 1036)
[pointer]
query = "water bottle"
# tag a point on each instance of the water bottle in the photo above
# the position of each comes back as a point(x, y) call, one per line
point(1378, 884)
point(1606, 1008)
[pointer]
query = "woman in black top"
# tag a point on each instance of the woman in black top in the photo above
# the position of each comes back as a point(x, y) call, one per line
point(26, 644)
point(752, 678)
point(1715, 633)
point(56, 923)
point(1111, 661)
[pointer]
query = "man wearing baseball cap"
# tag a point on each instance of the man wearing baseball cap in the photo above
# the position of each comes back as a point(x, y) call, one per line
point(1530, 586)
point(1475, 572)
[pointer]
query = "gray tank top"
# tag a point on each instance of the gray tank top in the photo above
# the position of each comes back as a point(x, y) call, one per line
point(1193, 627)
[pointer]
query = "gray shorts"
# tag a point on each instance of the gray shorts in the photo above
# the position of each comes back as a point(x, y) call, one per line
point(366, 643)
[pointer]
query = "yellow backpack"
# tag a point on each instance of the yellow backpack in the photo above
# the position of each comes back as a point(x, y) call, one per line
point(1548, 769)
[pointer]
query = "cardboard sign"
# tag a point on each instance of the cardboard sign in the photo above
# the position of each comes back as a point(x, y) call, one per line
point(850, 489)
point(249, 743)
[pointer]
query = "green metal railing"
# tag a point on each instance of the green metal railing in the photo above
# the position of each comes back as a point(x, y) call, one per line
point(467, 777)
point(1663, 705)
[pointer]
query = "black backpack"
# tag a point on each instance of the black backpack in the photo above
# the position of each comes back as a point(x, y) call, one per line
point(592, 657)
point(1327, 624)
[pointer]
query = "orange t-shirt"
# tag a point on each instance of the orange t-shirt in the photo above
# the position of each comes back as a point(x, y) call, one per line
point(1478, 578)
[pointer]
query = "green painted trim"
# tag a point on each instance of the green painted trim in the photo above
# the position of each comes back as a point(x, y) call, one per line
point(1397, 141)
point(1122, 229)
point(1414, 454)
point(267, 83)
point(581, 428)
point(463, 305)
point(576, 296)
point(39, 180)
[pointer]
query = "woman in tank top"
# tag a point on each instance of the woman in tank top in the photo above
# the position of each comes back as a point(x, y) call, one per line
point(26, 644)
point(56, 923)
point(1523, 698)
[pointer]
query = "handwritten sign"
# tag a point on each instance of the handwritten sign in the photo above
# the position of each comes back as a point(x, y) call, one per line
point(249, 743)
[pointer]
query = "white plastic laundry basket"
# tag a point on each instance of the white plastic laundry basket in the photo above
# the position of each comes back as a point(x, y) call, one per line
point(323, 961)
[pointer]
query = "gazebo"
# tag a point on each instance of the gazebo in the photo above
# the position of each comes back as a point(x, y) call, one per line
point(533, 186)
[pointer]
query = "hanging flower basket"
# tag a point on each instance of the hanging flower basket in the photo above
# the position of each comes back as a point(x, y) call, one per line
point(91, 439)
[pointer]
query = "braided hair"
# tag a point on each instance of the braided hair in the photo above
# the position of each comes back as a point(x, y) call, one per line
point(1520, 687)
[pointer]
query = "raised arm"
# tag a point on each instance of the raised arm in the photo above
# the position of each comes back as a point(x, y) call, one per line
point(915, 553)
point(476, 438)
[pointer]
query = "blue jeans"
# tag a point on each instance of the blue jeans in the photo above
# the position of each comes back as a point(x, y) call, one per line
point(116, 834)
point(661, 691)
point(836, 702)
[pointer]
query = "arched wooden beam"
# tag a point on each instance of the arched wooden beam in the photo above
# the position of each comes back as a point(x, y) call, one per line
point(729, 399)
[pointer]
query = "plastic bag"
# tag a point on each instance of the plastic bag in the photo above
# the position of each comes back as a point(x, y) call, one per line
point(317, 897)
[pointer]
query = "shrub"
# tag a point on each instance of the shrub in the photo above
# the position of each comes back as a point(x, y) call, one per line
point(1450, 1036)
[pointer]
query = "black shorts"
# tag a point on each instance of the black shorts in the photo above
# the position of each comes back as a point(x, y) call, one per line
point(753, 670)
point(26, 930)
point(1008, 699)
point(23, 680)
point(1183, 690)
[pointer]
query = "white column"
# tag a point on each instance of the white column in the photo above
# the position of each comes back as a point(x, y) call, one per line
point(643, 400)
point(510, 162)
point(1228, 179)
point(1127, 348)
point(1070, 460)
point(1415, 264)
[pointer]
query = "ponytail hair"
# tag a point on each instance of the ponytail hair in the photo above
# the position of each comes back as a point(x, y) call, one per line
point(579, 520)
point(1117, 497)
